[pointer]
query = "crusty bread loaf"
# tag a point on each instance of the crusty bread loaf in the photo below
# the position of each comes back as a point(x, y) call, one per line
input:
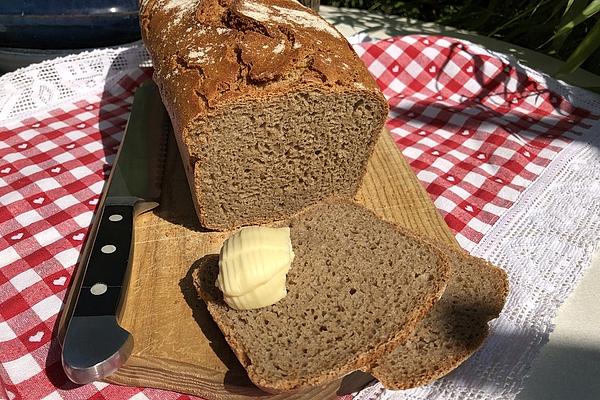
point(453, 330)
point(272, 108)
point(356, 288)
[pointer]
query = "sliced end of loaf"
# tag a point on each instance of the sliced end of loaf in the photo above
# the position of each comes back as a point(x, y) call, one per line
point(357, 287)
point(262, 160)
point(453, 330)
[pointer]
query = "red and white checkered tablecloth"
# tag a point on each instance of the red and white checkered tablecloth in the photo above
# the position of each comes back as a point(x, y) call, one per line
point(476, 130)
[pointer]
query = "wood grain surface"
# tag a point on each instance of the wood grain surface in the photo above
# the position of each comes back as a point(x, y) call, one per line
point(176, 344)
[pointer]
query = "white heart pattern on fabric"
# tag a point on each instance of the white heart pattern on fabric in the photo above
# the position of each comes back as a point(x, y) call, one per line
point(79, 236)
point(56, 170)
point(39, 200)
point(435, 153)
point(527, 154)
point(80, 126)
point(466, 132)
point(470, 69)
point(36, 125)
point(93, 202)
point(70, 146)
point(432, 69)
point(22, 146)
point(481, 156)
point(450, 178)
point(469, 208)
point(426, 41)
point(395, 69)
point(90, 107)
point(499, 180)
point(422, 133)
point(37, 337)
point(60, 281)
point(18, 236)
point(5, 170)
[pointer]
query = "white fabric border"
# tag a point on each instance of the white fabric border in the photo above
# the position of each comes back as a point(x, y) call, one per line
point(545, 242)
point(542, 241)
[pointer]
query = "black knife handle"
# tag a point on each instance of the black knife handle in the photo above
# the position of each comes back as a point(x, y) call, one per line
point(108, 263)
point(94, 344)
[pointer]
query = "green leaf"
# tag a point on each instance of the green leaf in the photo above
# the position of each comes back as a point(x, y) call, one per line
point(577, 6)
point(574, 12)
point(520, 15)
point(588, 12)
point(589, 44)
point(569, 4)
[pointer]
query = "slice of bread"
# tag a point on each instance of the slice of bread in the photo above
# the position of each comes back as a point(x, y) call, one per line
point(453, 330)
point(357, 287)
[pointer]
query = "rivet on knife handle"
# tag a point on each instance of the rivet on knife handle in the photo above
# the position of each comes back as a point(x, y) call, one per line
point(94, 345)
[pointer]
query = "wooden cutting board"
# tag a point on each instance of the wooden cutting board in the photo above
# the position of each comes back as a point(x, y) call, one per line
point(176, 344)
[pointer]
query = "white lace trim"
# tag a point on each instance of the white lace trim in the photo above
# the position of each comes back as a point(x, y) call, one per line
point(45, 86)
point(545, 242)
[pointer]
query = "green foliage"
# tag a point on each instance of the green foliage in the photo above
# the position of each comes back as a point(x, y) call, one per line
point(589, 44)
point(566, 29)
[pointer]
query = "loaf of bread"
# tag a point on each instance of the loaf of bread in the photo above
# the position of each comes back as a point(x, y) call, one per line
point(453, 330)
point(271, 107)
point(357, 288)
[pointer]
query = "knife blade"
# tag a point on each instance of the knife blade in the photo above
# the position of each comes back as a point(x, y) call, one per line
point(94, 345)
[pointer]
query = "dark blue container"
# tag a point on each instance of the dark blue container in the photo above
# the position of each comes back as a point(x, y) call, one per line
point(34, 28)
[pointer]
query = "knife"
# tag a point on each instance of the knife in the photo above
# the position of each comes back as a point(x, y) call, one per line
point(94, 345)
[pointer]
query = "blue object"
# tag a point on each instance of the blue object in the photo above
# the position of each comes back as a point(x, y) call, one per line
point(67, 24)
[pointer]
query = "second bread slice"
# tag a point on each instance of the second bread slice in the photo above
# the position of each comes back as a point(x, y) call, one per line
point(357, 287)
point(454, 328)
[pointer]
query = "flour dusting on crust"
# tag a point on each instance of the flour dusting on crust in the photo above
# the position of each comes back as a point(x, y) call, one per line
point(256, 11)
point(179, 8)
point(306, 19)
point(181, 5)
point(282, 15)
point(199, 55)
point(279, 48)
